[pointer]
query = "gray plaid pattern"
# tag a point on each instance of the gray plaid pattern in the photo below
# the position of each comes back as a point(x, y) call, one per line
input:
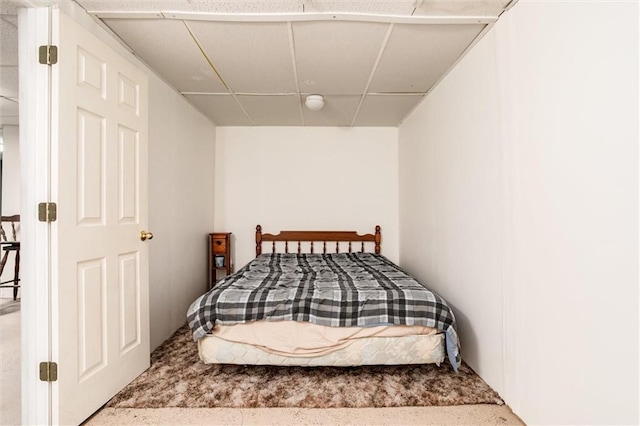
point(337, 290)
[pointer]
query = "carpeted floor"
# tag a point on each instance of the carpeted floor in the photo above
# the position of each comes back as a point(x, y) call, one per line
point(177, 378)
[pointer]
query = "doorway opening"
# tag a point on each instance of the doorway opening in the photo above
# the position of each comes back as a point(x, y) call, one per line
point(10, 182)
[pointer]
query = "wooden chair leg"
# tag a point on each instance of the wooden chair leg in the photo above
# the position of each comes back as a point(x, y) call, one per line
point(16, 276)
point(3, 262)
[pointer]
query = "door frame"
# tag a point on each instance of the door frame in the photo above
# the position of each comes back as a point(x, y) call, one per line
point(38, 140)
point(35, 29)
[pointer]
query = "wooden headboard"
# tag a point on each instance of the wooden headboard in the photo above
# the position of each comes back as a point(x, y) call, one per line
point(316, 236)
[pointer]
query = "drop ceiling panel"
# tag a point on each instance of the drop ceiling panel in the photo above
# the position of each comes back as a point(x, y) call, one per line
point(388, 7)
point(9, 8)
point(270, 6)
point(251, 57)
point(9, 81)
point(222, 109)
point(385, 110)
point(10, 121)
point(273, 110)
point(336, 57)
point(398, 7)
point(8, 110)
point(461, 8)
point(292, 6)
point(169, 49)
point(338, 111)
point(8, 43)
point(12, 19)
point(418, 55)
point(332, 57)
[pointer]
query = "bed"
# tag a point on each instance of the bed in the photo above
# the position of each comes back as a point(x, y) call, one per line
point(336, 302)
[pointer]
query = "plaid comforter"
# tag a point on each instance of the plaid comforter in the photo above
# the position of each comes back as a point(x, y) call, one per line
point(337, 290)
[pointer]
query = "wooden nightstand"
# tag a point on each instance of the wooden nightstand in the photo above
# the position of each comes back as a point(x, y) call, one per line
point(219, 255)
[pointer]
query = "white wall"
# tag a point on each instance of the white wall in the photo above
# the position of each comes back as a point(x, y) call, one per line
point(519, 203)
point(181, 176)
point(10, 194)
point(451, 204)
point(181, 158)
point(301, 178)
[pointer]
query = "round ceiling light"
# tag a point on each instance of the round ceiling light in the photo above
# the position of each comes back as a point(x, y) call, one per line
point(314, 102)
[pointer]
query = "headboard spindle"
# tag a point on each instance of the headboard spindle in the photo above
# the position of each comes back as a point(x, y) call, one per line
point(317, 236)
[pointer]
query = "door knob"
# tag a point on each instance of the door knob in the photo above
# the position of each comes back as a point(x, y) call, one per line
point(145, 235)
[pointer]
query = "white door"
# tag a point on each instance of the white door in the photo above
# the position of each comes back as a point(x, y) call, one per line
point(100, 301)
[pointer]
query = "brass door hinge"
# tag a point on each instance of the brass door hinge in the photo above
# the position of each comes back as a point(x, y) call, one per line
point(48, 54)
point(48, 371)
point(47, 212)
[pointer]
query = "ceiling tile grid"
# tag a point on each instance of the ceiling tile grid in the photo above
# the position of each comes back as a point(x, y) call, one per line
point(371, 7)
point(254, 62)
point(169, 49)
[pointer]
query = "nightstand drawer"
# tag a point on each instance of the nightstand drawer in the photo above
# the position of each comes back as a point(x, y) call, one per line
point(219, 245)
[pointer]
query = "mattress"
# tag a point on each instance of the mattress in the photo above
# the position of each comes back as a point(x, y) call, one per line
point(306, 344)
point(335, 290)
point(420, 349)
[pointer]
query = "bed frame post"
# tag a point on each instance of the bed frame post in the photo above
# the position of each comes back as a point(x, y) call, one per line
point(377, 239)
point(258, 240)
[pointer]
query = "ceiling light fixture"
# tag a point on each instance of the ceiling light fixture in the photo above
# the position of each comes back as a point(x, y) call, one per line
point(314, 102)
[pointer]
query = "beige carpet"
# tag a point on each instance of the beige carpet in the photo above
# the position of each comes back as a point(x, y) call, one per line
point(177, 378)
point(472, 415)
point(10, 360)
